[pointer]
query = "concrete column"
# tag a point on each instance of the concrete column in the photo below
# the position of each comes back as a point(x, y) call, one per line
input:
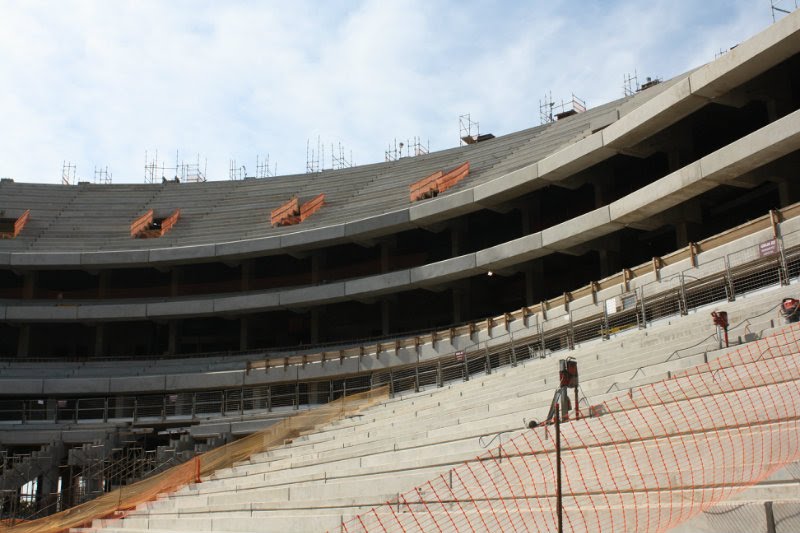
point(247, 275)
point(318, 260)
point(788, 192)
point(387, 248)
point(457, 237)
point(172, 344)
point(530, 215)
point(534, 280)
point(609, 252)
point(243, 333)
point(681, 234)
point(175, 281)
point(315, 325)
point(385, 317)
point(461, 302)
point(29, 284)
point(99, 339)
point(47, 486)
point(24, 341)
point(102, 283)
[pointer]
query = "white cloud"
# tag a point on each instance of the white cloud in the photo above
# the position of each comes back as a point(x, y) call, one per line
point(98, 83)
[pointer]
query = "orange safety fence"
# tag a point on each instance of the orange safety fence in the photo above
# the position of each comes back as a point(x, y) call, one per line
point(128, 497)
point(657, 456)
point(170, 221)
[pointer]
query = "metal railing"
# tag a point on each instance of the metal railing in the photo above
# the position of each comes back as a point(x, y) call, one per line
point(718, 280)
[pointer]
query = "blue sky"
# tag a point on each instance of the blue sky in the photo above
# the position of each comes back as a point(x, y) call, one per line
point(100, 83)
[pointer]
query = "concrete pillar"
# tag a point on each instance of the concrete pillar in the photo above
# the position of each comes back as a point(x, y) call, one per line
point(102, 283)
point(609, 255)
point(317, 392)
point(315, 325)
point(175, 281)
point(29, 284)
point(534, 281)
point(243, 333)
point(24, 341)
point(461, 302)
point(385, 317)
point(681, 234)
point(247, 275)
point(172, 343)
point(47, 486)
point(530, 215)
point(387, 249)
point(99, 340)
point(788, 192)
point(318, 260)
point(457, 237)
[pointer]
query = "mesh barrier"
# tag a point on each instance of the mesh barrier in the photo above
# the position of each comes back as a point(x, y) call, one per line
point(651, 460)
point(128, 497)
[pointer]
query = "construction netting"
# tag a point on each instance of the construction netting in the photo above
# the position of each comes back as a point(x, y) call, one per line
point(655, 456)
point(128, 497)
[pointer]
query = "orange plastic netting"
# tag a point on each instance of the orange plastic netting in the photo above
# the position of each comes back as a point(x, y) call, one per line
point(128, 497)
point(657, 456)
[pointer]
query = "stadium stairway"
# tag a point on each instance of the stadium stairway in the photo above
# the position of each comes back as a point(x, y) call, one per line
point(323, 478)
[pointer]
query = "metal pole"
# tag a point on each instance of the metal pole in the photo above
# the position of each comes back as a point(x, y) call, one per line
point(559, 508)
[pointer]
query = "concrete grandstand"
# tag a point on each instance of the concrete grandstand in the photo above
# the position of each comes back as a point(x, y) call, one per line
point(143, 324)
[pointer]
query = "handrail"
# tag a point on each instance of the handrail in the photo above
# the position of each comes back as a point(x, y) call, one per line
point(409, 338)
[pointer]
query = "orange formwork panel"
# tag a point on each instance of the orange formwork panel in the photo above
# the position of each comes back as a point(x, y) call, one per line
point(438, 182)
point(292, 212)
point(148, 227)
point(17, 227)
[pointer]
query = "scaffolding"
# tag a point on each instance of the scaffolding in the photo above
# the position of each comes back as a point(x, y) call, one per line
point(153, 171)
point(102, 176)
point(263, 170)
point(630, 84)
point(339, 161)
point(412, 149)
point(550, 111)
point(236, 172)
point(68, 173)
point(313, 158)
point(777, 6)
point(194, 172)
point(465, 128)
point(182, 171)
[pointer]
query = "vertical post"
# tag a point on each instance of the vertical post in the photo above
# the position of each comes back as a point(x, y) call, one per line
point(682, 303)
point(730, 291)
point(559, 508)
point(513, 350)
point(643, 323)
